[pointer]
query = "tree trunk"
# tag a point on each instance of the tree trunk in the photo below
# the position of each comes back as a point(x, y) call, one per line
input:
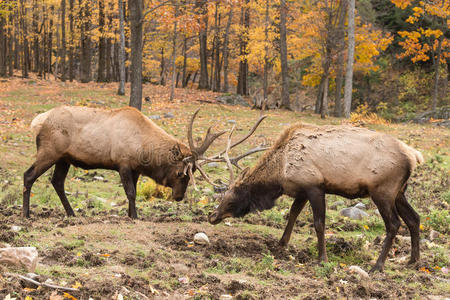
point(285, 103)
point(135, 8)
point(174, 55)
point(86, 50)
point(203, 37)
point(350, 57)
point(183, 81)
point(217, 67)
point(340, 59)
point(2, 47)
point(24, 40)
point(10, 44)
point(162, 79)
point(121, 53)
point(318, 106)
point(71, 47)
point(266, 54)
point(50, 41)
point(242, 86)
point(36, 45)
point(437, 62)
point(226, 50)
point(101, 43)
point(324, 105)
point(63, 40)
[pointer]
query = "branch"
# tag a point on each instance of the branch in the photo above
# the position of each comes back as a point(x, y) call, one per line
point(51, 286)
point(152, 10)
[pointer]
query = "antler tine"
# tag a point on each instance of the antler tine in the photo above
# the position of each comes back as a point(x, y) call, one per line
point(227, 158)
point(235, 160)
point(250, 132)
point(203, 173)
point(189, 135)
point(209, 138)
point(242, 139)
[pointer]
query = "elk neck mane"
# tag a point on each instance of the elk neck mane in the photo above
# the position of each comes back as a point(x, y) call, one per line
point(260, 187)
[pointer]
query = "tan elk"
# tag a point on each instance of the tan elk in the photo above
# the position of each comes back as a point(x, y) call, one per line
point(123, 140)
point(309, 161)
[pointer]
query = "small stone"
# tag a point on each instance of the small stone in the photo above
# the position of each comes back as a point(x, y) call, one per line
point(100, 178)
point(231, 121)
point(212, 165)
point(336, 204)
point(16, 228)
point(168, 115)
point(355, 269)
point(201, 238)
point(433, 234)
point(183, 280)
point(360, 205)
point(26, 257)
point(154, 117)
point(353, 213)
point(225, 297)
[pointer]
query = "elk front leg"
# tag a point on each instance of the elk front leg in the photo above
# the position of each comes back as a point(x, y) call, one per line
point(296, 208)
point(129, 180)
point(316, 198)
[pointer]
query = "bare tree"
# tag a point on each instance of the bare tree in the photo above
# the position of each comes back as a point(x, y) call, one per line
point(135, 8)
point(121, 90)
point(226, 50)
point(203, 38)
point(174, 53)
point(350, 57)
point(63, 40)
point(285, 103)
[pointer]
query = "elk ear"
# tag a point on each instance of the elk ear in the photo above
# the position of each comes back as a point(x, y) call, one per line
point(176, 152)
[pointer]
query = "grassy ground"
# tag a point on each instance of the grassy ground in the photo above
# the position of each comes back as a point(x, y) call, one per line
point(106, 254)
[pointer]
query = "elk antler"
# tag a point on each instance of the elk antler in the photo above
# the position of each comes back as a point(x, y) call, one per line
point(224, 155)
point(198, 152)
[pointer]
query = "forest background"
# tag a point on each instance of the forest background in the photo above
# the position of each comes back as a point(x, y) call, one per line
point(334, 56)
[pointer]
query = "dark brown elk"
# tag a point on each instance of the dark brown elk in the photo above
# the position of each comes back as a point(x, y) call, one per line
point(308, 162)
point(123, 140)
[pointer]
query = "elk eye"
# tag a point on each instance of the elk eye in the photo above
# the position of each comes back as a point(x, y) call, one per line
point(180, 174)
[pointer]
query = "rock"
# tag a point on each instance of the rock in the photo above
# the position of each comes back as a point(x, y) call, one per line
point(360, 205)
point(212, 165)
point(16, 228)
point(26, 257)
point(404, 239)
point(433, 234)
point(183, 280)
point(201, 238)
point(100, 178)
point(168, 115)
point(154, 117)
point(225, 297)
point(355, 269)
point(336, 204)
point(231, 121)
point(353, 213)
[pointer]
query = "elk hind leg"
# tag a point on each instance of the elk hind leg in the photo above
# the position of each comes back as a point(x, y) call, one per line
point(42, 164)
point(412, 220)
point(316, 198)
point(296, 208)
point(386, 207)
point(59, 176)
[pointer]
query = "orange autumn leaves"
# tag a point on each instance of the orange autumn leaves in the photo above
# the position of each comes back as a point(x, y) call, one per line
point(421, 43)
